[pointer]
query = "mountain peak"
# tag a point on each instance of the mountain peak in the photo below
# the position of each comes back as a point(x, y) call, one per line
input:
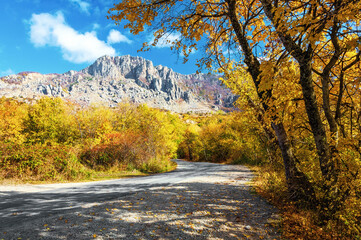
point(113, 79)
point(108, 66)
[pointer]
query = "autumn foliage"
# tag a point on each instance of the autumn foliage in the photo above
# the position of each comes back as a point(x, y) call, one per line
point(223, 138)
point(54, 140)
point(296, 65)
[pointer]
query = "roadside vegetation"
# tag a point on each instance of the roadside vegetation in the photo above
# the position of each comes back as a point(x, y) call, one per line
point(238, 138)
point(53, 140)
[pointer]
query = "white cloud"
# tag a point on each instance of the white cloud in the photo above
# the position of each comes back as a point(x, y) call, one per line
point(7, 72)
point(84, 6)
point(166, 40)
point(116, 37)
point(52, 30)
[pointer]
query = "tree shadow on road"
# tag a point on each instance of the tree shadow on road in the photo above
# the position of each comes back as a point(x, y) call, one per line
point(195, 210)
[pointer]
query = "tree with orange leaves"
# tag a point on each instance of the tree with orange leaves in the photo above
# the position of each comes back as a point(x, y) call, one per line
point(308, 48)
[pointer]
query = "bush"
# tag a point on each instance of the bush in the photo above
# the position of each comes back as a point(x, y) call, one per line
point(117, 150)
point(39, 162)
point(223, 138)
point(44, 141)
point(50, 120)
point(124, 151)
point(12, 115)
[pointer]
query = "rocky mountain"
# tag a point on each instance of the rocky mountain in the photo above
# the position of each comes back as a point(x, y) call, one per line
point(110, 80)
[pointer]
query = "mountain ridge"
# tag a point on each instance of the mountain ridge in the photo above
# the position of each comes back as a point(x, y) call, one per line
point(110, 80)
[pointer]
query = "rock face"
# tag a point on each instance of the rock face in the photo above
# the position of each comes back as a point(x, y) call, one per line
point(110, 80)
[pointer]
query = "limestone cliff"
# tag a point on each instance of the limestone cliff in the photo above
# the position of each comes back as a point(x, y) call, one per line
point(110, 80)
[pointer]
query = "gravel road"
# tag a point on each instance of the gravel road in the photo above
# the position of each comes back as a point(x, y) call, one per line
point(196, 201)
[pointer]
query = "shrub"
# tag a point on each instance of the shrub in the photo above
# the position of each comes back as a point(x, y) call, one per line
point(12, 114)
point(223, 138)
point(124, 151)
point(116, 150)
point(50, 120)
point(39, 162)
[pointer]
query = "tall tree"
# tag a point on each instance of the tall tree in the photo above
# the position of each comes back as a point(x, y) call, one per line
point(320, 37)
point(302, 27)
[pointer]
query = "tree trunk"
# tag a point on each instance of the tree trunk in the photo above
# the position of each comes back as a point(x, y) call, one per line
point(299, 187)
point(298, 184)
point(304, 59)
point(314, 119)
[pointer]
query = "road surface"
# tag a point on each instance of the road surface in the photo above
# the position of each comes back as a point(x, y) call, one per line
point(25, 203)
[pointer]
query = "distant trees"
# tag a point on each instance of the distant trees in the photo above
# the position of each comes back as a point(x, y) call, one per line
point(223, 138)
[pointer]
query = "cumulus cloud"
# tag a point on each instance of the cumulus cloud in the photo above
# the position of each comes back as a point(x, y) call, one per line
point(52, 30)
point(165, 41)
point(84, 6)
point(116, 37)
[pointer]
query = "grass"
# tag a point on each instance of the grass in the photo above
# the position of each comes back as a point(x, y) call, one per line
point(108, 175)
point(99, 176)
point(93, 176)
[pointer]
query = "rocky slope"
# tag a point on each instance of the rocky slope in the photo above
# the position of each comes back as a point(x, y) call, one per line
point(110, 80)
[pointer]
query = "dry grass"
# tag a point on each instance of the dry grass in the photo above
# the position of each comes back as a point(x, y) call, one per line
point(296, 223)
point(94, 176)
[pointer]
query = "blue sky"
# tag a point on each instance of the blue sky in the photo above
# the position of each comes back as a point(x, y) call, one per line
point(55, 36)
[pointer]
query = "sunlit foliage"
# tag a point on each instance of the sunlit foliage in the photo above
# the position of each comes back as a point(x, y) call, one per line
point(11, 124)
point(296, 65)
point(54, 140)
point(49, 120)
point(224, 138)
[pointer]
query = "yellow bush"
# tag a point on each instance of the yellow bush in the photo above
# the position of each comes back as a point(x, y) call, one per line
point(12, 114)
point(50, 120)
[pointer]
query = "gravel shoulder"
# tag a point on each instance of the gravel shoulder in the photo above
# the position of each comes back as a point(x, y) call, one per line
point(220, 205)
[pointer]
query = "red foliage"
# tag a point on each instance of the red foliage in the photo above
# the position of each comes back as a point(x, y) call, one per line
point(117, 150)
